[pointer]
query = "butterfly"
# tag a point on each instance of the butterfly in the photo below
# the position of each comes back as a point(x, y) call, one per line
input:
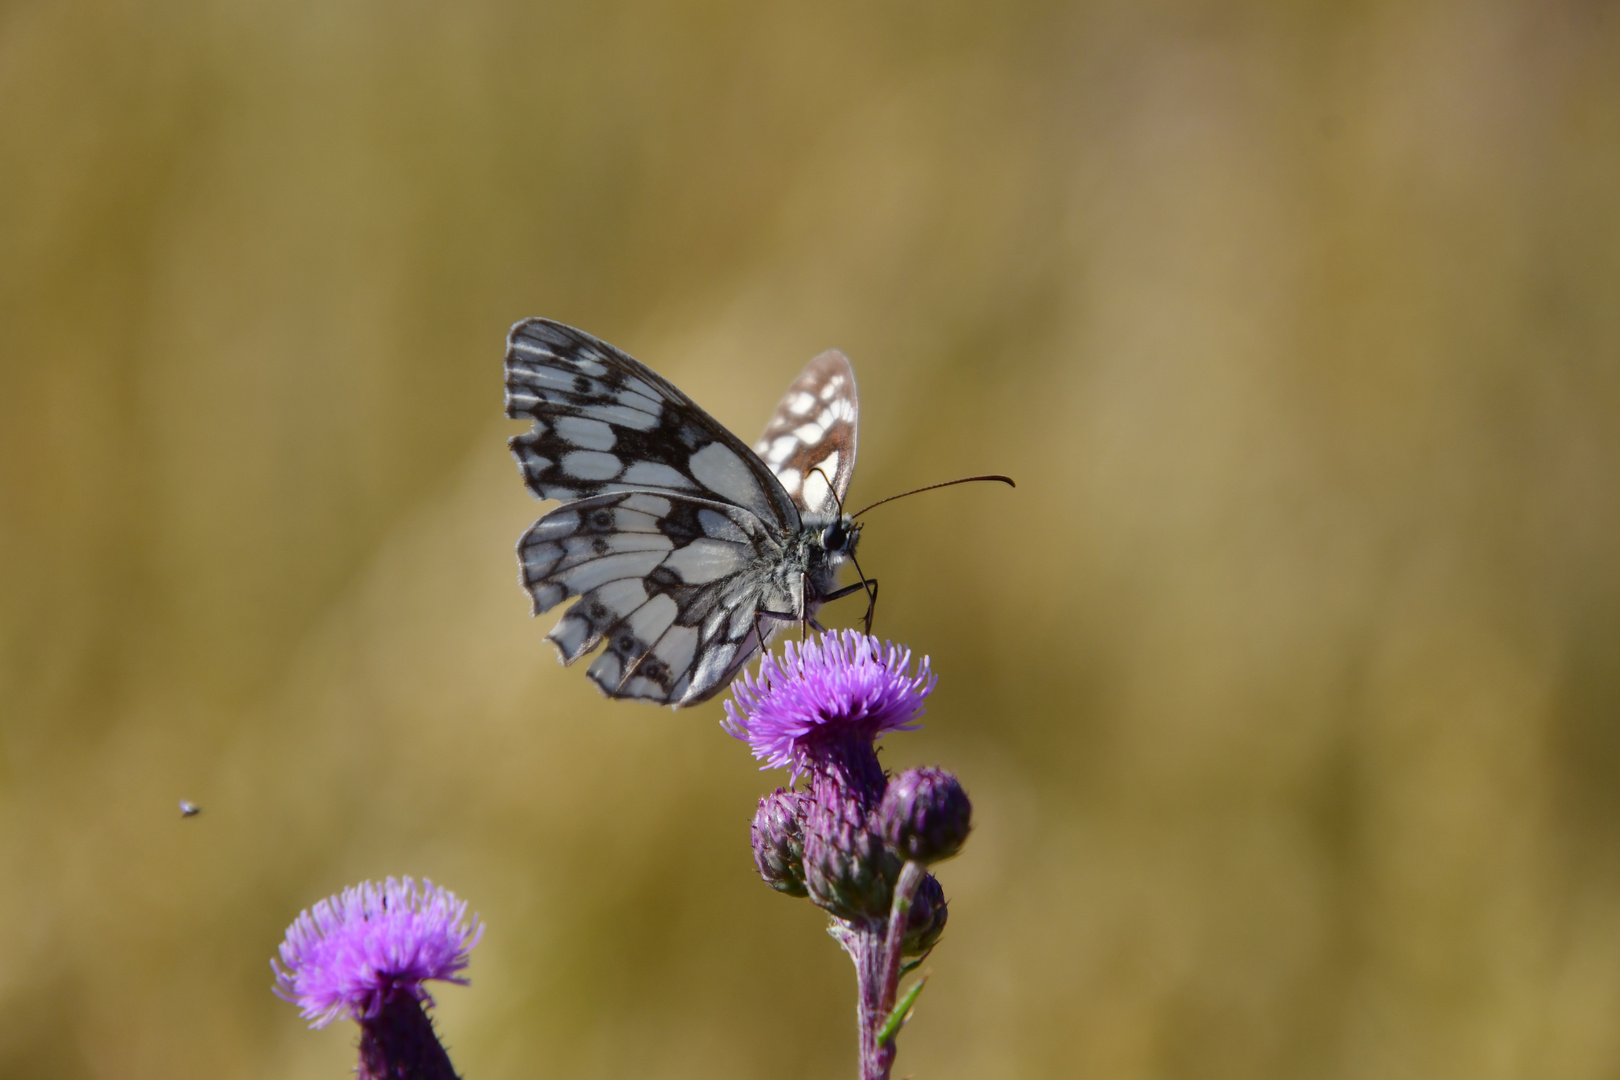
point(686, 548)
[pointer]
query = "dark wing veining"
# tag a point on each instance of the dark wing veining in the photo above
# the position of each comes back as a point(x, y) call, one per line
point(814, 426)
point(605, 422)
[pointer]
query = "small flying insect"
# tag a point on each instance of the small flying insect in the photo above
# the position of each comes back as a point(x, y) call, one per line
point(189, 809)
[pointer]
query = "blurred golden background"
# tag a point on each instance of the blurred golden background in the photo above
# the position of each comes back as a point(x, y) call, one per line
point(1287, 684)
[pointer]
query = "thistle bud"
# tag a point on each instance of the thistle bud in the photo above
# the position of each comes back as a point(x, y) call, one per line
point(926, 921)
point(925, 815)
point(778, 834)
point(847, 868)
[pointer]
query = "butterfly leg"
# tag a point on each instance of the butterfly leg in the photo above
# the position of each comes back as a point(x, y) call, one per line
point(807, 621)
point(804, 609)
point(761, 634)
point(866, 584)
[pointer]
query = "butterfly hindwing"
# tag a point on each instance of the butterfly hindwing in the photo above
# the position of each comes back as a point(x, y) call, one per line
point(672, 584)
point(605, 422)
point(813, 428)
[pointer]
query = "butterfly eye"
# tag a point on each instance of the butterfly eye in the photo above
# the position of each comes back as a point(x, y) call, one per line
point(835, 537)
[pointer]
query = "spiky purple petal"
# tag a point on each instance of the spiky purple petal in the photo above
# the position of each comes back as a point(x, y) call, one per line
point(839, 686)
point(351, 952)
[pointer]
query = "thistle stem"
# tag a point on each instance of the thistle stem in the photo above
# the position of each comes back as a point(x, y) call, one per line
point(865, 946)
point(876, 946)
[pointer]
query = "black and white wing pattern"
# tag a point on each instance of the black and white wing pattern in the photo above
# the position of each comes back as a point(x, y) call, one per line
point(605, 422)
point(681, 542)
point(813, 429)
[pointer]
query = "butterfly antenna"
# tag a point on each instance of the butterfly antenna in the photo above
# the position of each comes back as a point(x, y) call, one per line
point(832, 488)
point(965, 480)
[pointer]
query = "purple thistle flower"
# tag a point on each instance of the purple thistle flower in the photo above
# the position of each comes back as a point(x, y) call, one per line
point(351, 954)
point(840, 688)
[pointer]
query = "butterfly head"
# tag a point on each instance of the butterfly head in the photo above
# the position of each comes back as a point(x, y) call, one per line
point(841, 536)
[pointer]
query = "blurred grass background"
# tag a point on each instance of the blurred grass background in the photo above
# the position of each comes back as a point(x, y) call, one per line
point(1287, 683)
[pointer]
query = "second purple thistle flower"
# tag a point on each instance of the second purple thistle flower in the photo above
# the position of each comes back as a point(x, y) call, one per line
point(366, 953)
point(351, 953)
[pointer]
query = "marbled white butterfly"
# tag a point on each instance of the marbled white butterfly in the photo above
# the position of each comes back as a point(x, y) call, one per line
point(686, 548)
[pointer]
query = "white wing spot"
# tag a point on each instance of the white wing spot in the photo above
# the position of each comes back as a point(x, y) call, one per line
point(626, 519)
point(631, 564)
point(548, 378)
point(828, 464)
point(647, 504)
point(655, 474)
point(636, 386)
point(625, 416)
point(705, 560)
point(539, 559)
point(591, 465)
point(742, 621)
point(713, 665)
point(560, 522)
point(622, 597)
point(810, 433)
point(781, 448)
point(790, 480)
point(605, 669)
point(640, 687)
point(723, 472)
point(816, 490)
point(654, 617)
point(802, 403)
point(547, 596)
point(585, 433)
point(677, 647)
point(721, 527)
point(534, 461)
point(570, 635)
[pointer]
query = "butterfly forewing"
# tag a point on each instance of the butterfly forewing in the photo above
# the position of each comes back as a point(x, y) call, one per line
point(813, 428)
point(604, 422)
